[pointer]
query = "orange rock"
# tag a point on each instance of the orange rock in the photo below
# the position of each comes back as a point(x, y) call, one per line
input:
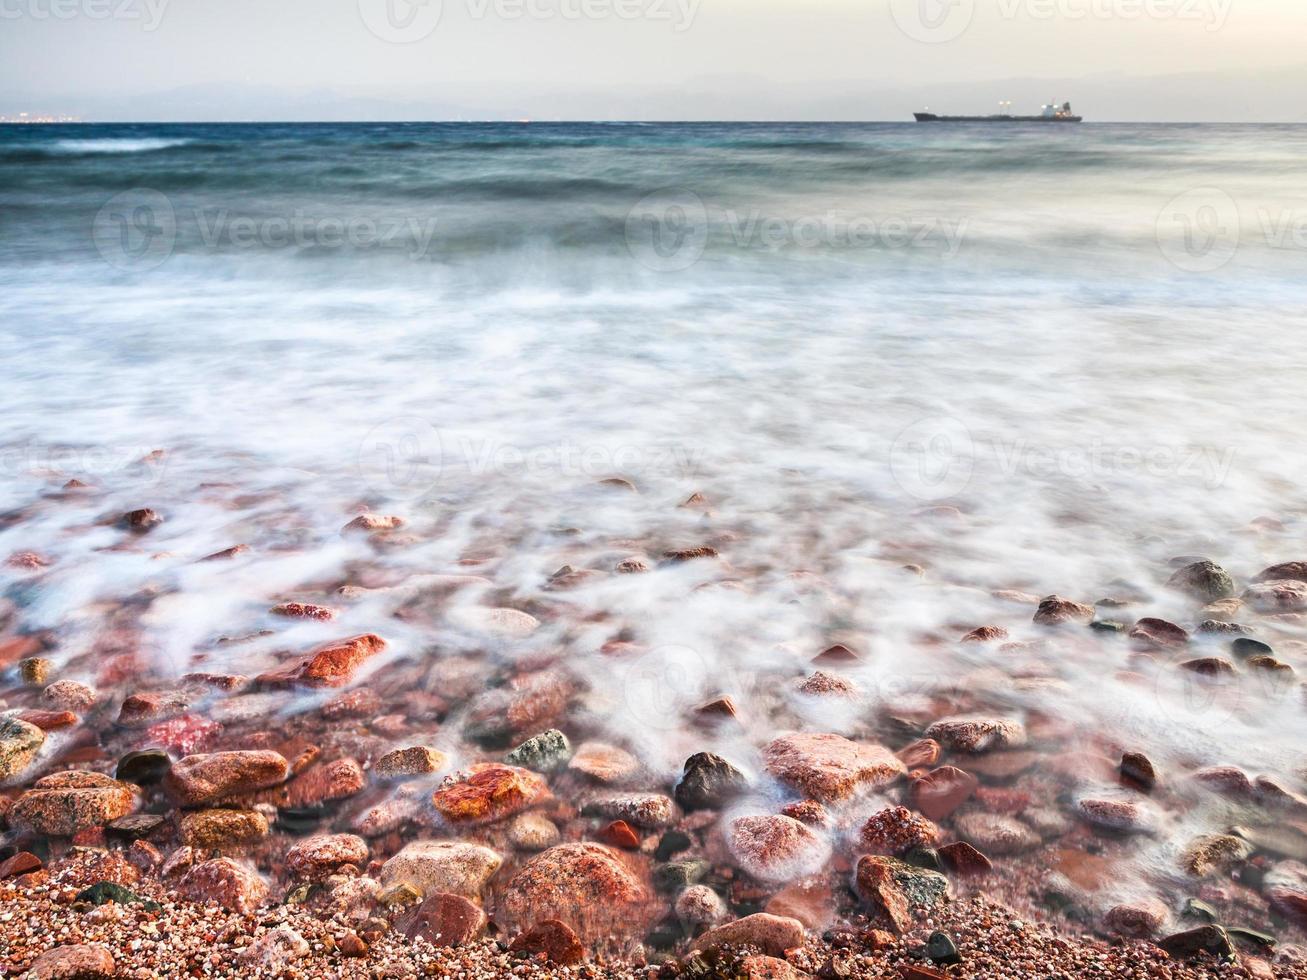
point(487, 792)
point(303, 610)
point(373, 523)
point(621, 834)
point(330, 665)
point(554, 940)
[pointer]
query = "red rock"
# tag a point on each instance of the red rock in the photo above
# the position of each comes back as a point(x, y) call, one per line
point(142, 709)
point(444, 920)
point(318, 784)
point(717, 709)
point(876, 884)
point(689, 554)
point(917, 972)
point(552, 939)
point(1054, 610)
point(418, 760)
point(621, 834)
point(16, 648)
point(998, 799)
point(1209, 667)
point(808, 811)
point(373, 523)
point(20, 864)
point(897, 830)
point(939, 793)
point(603, 763)
point(359, 703)
point(1288, 571)
point(921, 754)
point(986, 634)
point(776, 848)
point(85, 962)
point(65, 803)
point(186, 735)
point(822, 684)
point(68, 696)
point(1226, 780)
point(830, 768)
point(303, 610)
point(330, 665)
point(141, 521)
point(812, 903)
point(1137, 920)
point(1157, 634)
point(1137, 772)
point(49, 721)
point(488, 792)
point(223, 882)
point(767, 968)
point(199, 779)
point(631, 566)
point(773, 934)
point(532, 704)
point(227, 553)
point(978, 734)
point(994, 833)
point(586, 886)
point(27, 561)
point(1120, 815)
point(837, 656)
point(963, 859)
point(1285, 886)
point(1279, 596)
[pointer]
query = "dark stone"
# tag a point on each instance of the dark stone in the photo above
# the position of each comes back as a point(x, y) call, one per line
point(672, 843)
point(963, 859)
point(940, 948)
point(301, 820)
point(923, 857)
point(709, 782)
point(666, 934)
point(103, 892)
point(1205, 939)
point(1252, 937)
point(143, 768)
point(1196, 908)
point(1137, 770)
point(545, 752)
point(678, 875)
point(136, 825)
point(1107, 626)
point(1245, 647)
point(1203, 580)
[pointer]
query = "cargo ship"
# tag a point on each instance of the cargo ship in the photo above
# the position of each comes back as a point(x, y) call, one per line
point(1051, 113)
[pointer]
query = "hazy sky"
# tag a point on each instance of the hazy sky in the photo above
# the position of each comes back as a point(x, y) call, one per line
point(269, 59)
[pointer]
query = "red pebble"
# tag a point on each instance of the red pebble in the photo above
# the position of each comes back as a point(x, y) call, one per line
point(619, 833)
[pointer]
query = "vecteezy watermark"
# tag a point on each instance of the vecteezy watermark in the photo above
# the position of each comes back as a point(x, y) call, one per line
point(149, 13)
point(671, 230)
point(409, 21)
point(408, 456)
point(138, 230)
point(940, 21)
point(937, 458)
point(1199, 230)
point(117, 463)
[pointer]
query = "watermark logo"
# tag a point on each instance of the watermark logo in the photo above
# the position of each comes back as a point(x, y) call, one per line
point(933, 458)
point(401, 21)
point(402, 457)
point(933, 21)
point(148, 13)
point(668, 230)
point(136, 230)
point(1199, 230)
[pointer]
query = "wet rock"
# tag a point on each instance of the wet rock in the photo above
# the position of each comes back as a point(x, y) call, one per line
point(66, 803)
point(106, 892)
point(768, 968)
point(456, 867)
point(671, 843)
point(20, 742)
point(649, 811)
point(1055, 610)
point(1289, 571)
point(709, 782)
point(66, 695)
point(986, 634)
point(418, 760)
point(546, 752)
point(1244, 648)
point(941, 949)
point(553, 939)
point(373, 524)
point(303, 610)
point(978, 735)
point(1116, 815)
point(921, 754)
point(1279, 596)
point(444, 920)
point(223, 882)
point(963, 859)
point(1205, 939)
point(504, 624)
point(143, 768)
point(503, 714)
point(1209, 667)
point(320, 857)
point(1285, 887)
point(586, 886)
point(1227, 780)
point(141, 521)
point(896, 830)
point(221, 830)
point(1137, 920)
point(24, 862)
point(893, 888)
point(619, 834)
point(1137, 772)
point(677, 875)
point(1151, 633)
point(699, 905)
point(776, 848)
point(995, 833)
point(830, 768)
point(199, 779)
point(35, 671)
point(939, 793)
point(274, 950)
point(532, 832)
point(603, 763)
point(1204, 581)
point(773, 934)
point(330, 665)
point(488, 792)
point(85, 962)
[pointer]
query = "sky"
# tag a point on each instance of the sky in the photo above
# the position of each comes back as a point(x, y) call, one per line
point(650, 59)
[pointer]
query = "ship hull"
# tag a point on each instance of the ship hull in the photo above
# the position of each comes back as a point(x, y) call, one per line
point(931, 117)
